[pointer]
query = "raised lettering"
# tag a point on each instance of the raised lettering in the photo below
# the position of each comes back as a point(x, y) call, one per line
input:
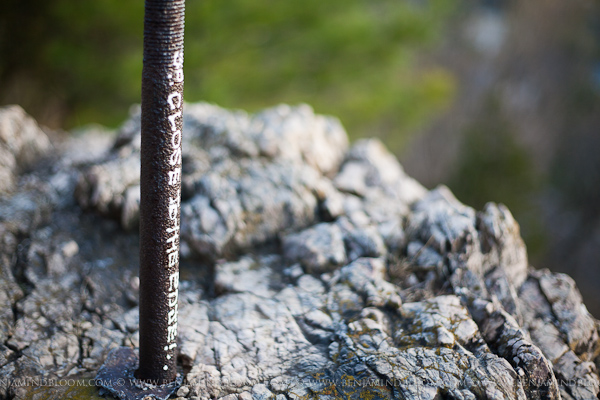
point(178, 59)
point(175, 102)
point(173, 259)
point(174, 246)
point(173, 208)
point(174, 177)
point(176, 139)
point(171, 98)
point(172, 120)
point(173, 296)
point(176, 156)
point(173, 315)
point(174, 281)
point(171, 333)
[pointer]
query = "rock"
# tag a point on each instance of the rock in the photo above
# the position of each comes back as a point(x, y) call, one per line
point(309, 270)
point(506, 338)
point(370, 165)
point(22, 143)
point(183, 391)
point(576, 376)
point(59, 353)
point(128, 321)
point(361, 238)
point(366, 277)
point(10, 293)
point(245, 275)
point(318, 249)
point(248, 186)
point(260, 392)
point(573, 319)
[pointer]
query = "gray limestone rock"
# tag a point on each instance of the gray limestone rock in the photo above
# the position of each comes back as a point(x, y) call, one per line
point(309, 270)
point(247, 177)
point(319, 248)
point(22, 143)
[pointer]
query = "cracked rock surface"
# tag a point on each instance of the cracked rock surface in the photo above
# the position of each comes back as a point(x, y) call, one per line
point(310, 269)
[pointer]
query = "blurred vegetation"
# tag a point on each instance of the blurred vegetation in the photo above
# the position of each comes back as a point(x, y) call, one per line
point(351, 58)
point(493, 167)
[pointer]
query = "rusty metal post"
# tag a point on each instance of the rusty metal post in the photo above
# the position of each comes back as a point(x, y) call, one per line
point(162, 107)
point(154, 374)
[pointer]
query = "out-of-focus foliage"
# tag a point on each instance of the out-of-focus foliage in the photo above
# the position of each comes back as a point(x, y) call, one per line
point(493, 166)
point(71, 62)
point(527, 127)
point(351, 58)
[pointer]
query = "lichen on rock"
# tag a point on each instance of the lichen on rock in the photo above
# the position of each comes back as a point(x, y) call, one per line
point(310, 268)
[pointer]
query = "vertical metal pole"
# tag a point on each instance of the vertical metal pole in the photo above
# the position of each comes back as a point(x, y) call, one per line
point(162, 106)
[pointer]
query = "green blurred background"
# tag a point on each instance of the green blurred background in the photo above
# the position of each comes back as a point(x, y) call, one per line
point(351, 58)
point(500, 100)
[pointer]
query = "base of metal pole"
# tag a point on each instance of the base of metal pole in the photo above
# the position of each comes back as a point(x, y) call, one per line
point(117, 377)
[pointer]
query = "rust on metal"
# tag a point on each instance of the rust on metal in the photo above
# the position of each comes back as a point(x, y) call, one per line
point(154, 375)
point(117, 377)
point(160, 182)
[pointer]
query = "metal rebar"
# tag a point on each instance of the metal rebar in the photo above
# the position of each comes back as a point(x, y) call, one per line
point(162, 107)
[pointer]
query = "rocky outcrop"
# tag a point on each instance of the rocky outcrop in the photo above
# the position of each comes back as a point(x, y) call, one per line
point(22, 142)
point(310, 269)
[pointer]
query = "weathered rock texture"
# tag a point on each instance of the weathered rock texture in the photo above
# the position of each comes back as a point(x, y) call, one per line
point(309, 270)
